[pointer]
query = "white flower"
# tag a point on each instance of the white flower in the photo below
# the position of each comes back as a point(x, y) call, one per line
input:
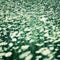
point(14, 39)
point(46, 30)
point(8, 54)
point(19, 50)
point(28, 37)
point(9, 26)
point(28, 57)
point(58, 44)
point(21, 32)
point(27, 29)
point(13, 34)
point(46, 35)
point(44, 51)
point(29, 33)
point(31, 41)
point(56, 41)
point(38, 51)
point(10, 44)
point(5, 49)
point(46, 41)
point(43, 19)
point(37, 44)
point(56, 49)
point(25, 47)
point(58, 56)
point(45, 59)
point(38, 57)
point(2, 54)
point(23, 55)
point(51, 48)
point(15, 48)
point(3, 43)
point(50, 56)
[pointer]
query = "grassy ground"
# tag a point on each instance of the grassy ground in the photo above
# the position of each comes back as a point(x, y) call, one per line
point(29, 30)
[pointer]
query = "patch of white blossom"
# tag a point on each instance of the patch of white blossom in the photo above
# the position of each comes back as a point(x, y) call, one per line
point(8, 54)
point(3, 43)
point(38, 57)
point(25, 54)
point(10, 44)
point(14, 39)
point(44, 51)
point(24, 47)
point(29, 57)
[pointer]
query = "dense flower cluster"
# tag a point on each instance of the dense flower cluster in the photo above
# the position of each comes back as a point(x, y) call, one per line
point(29, 30)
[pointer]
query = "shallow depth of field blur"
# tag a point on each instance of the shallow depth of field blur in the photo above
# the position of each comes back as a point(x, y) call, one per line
point(29, 29)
